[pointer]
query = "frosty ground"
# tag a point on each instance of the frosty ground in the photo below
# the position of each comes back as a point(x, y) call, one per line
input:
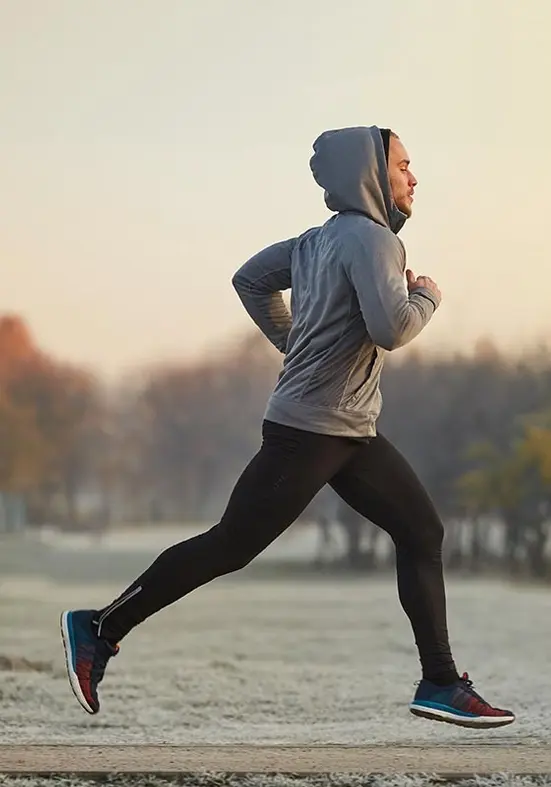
point(270, 661)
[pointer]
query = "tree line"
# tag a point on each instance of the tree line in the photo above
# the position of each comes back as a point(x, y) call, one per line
point(168, 443)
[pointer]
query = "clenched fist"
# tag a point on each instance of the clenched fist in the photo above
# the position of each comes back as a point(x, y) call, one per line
point(415, 282)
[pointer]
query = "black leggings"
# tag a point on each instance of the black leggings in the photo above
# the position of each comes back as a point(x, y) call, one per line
point(290, 468)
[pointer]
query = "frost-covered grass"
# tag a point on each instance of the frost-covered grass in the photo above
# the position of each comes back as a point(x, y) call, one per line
point(247, 660)
point(274, 661)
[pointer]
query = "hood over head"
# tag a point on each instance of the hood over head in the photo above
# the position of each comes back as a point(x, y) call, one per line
point(350, 164)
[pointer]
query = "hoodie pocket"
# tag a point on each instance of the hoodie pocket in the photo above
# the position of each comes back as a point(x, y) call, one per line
point(352, 399)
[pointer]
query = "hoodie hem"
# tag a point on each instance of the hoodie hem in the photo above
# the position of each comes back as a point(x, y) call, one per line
point(322, 420)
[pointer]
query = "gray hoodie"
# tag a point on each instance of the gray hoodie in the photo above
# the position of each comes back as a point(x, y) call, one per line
point(349, 300)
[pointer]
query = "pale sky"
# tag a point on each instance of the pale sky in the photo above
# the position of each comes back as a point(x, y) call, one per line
point(149, 147)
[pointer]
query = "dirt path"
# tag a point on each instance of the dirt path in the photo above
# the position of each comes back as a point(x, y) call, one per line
point(451, 761)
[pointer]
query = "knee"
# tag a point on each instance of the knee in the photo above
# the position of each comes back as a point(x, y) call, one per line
point(436, 534)
point(432, 538)
point(235, 560)
point(425, 540)
point(232, 553)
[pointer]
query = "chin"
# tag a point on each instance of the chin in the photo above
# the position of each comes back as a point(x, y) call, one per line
point(406, 208)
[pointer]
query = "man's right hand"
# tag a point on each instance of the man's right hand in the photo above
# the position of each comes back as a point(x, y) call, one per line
point(416, 282)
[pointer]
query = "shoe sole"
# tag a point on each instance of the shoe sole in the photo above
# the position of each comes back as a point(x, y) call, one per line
point(474, 722)
point(73, 678)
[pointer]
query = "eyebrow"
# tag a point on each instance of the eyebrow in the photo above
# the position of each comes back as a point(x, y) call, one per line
point(405, 161)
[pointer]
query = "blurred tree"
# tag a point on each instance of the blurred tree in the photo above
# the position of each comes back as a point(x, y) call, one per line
point(21, 449)
point(170, 442)
point(436, 407)
point(199, 426)
point(516, 486)
point(22, 455)
point(47, 410)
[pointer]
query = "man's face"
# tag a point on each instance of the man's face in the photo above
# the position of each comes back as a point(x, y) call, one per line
point(402, 180)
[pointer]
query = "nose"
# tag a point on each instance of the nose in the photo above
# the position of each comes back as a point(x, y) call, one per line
point(412, 180)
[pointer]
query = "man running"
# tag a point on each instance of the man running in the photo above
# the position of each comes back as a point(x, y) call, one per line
point(352, 300)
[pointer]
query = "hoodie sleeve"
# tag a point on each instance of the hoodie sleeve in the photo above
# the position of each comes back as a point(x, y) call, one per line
point(259, 283)
point(375, 266)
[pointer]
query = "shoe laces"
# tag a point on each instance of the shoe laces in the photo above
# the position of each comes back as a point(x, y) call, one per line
point(468, 686)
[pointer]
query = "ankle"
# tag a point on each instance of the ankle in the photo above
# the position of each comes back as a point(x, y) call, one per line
point(105, 637)
point(442, 678)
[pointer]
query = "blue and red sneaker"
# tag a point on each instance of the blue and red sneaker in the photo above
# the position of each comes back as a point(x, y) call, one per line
point(86, 656)
point(457, 704)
